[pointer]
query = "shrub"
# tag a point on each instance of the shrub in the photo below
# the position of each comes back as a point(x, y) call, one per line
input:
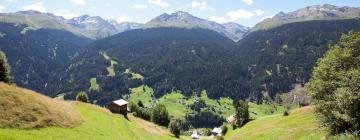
point(174, 127)
point(286, 113)
point(160, 115)
point(205, 119)
point(233, 126)
point(82, 97)
point(219, 138)
point(143, 113)
point(140, 104)
point(224, 129)
point(207, 131)
point(132, 106)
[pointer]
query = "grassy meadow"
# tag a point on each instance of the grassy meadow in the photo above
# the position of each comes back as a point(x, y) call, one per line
point(299, 125)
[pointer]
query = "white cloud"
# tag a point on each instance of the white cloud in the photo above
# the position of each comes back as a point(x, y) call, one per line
point(202, 6)
point(266, 17)
point(123, 18)
point(259, 12)
point(160, 3)
point(139, 6)
point(218, 19)
point(235, 15)
point(79, 2)
point(39, 6)
point(2, 8)
point(239, 14)
point(248, 2)
point(107, 4)
point(65, 13)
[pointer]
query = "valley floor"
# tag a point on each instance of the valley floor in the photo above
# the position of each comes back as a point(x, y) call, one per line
point(100, 124)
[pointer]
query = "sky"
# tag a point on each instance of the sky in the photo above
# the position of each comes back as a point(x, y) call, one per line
point(244, 12)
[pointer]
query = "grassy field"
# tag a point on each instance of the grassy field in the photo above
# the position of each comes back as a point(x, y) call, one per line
point(110, 69)
point(94, 85)
point(299, 125)
point(133, 75)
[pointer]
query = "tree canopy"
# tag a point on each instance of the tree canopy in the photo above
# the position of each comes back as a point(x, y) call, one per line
point(335, 87)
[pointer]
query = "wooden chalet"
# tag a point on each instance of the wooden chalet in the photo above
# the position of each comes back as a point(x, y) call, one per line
point(118, 106)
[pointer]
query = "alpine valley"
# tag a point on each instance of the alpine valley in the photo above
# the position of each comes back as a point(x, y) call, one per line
point(197, 68)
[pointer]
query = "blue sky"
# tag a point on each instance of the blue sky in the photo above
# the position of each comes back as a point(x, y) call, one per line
point(245, 12)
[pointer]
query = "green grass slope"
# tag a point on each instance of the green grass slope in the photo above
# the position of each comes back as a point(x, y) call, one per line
point(99, 124)
point(299, 125)
point(25, 114)
point(22, 108)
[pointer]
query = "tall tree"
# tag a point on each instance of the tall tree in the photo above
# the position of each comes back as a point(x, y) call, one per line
point(242, 113)
point(335, 87)
point(4, 69)
point(160, 115)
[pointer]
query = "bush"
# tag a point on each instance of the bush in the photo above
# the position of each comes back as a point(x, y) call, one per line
point(82, 97)
point(198, 105)
point(143, 113)
point(335, 87)
point(219, 138)
point(207, 131)
point(140, 104)
point(286, 113)
point(174, 127)
point(205, 119)
point(224, 129)
point(132, 106)
point(233, 126)
point(345, 136)
point(160, 115)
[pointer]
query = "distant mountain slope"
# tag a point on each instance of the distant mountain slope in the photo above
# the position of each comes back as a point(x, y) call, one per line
point(37, 20)
point(315, 12)
point(97, 27)
point(168, 58)
point(37, 55)
point(285, 55)
point(185, 20)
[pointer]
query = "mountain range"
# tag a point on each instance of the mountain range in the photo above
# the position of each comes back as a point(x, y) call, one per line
point(315, 12)
point(175, 51)
point(96, 27)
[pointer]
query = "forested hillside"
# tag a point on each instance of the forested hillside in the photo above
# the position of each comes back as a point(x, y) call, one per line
point(189, 60)
point(263, 64)
point(282, 56)
point(36, 56)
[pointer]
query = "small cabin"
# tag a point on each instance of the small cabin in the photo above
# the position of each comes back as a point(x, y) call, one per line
point(216, 131)
point(118, 106)
point(195, 135)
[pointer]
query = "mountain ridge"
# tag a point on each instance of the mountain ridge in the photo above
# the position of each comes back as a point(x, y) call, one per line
point(314, 12)
point(185, 20)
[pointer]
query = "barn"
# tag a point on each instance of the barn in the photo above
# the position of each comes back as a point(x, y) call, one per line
point(118, 106)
